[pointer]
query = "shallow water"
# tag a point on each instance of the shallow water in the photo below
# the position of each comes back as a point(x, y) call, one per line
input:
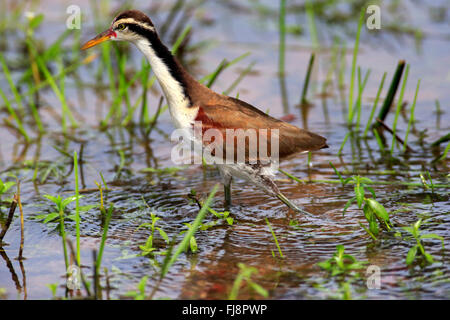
point(304, 240)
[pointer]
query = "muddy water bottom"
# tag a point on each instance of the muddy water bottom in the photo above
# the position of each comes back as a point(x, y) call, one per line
point(210, 272)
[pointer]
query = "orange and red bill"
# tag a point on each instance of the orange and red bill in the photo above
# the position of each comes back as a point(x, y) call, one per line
point(102, 37)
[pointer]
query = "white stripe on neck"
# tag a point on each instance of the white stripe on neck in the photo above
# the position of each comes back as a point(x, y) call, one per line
point(182, 115)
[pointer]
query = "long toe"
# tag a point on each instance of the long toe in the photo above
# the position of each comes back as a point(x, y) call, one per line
point(291, 205)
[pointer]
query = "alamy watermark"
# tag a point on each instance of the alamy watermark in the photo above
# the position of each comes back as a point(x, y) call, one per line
point(373, 274)
point(374, 20)
point(74, 277)
point(73, 21)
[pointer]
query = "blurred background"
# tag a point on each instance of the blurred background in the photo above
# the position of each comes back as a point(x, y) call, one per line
point(106, 105)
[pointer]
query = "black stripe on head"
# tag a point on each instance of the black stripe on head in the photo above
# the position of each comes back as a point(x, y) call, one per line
point(134, 14)
point(161, 52)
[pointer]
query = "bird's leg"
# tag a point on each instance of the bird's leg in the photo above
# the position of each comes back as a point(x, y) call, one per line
point(270, 186)
point(227, 191)
point(287, 202)
point(226, 178)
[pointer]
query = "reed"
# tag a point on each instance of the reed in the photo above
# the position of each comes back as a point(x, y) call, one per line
point(11, 84)
point(391, 92)
point(98, 261)
point(65, 108)
point(224, 64)
point(342, 67)
point(122, 60)
point(442, 139)
point(180, 39)
point(67, 70)
point(343, 144)
point(63, 236)
point(374, 107)
point(106, 62)
point(361, 87)
point(307, 78)
point(13, 114)
point(355, 55)
point(22, 223)
point(312, 23)
point(239, 79)
point(49, 54)
point(397, 111)
point(17, 98)
point(443, 156)
point(8, 221)
point(411, 116)
point(145, 66)
point(77, 207)
point(379, 140)
point(274, 238)
point(282, 36)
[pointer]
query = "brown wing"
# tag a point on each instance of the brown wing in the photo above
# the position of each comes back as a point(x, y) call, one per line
point(235, 114)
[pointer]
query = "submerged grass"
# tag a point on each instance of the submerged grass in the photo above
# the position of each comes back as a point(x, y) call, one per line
point(245, 274)
point(275, 239)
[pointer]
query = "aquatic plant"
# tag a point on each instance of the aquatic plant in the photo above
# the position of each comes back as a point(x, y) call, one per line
point(148, 247)
point(275, 239)
point(341, 263)
point(60, 206)
point(374, 212)
point(418, 249)
point(5, 186)
point(140, 293)
point(245, 274)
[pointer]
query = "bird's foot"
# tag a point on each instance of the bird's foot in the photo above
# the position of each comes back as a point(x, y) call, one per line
point(291, 205)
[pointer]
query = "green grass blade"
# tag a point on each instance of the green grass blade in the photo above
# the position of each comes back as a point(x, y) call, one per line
point(98, 263)
point(275, 238)
point(374, 107)
point(411, 117)
point(397, 111)
point(355, 55)
point(77, 207)
point(282, 34)
point(307, 78)
point(191, 231)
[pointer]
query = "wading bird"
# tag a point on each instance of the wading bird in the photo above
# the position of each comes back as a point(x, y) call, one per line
point(190, 101)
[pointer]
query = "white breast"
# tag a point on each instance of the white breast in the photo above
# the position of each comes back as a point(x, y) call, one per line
point(182, 115)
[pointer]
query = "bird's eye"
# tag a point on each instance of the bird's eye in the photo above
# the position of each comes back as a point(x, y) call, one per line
point(121, 26)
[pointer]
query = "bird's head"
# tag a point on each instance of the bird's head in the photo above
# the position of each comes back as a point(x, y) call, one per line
point(130, 25)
